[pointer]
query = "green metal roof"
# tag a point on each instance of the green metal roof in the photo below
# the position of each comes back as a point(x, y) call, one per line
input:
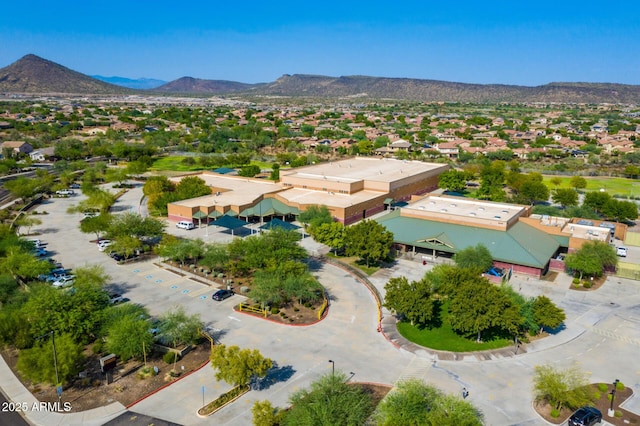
point(521, 244)
point(199, 215)
point(268, 207)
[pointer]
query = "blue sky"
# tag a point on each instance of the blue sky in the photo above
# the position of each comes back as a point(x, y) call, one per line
point(506, 42)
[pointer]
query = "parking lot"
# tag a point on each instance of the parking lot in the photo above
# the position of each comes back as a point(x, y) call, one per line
point(601, 333)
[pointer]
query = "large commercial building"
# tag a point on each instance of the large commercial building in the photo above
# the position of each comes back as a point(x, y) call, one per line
point(351, 189)
point(526, 243)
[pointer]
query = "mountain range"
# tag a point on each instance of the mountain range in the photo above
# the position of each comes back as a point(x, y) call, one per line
point(32, 74)
point(137, 83)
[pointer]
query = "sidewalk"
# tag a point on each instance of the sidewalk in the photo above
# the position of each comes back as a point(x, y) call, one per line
point(37, 415)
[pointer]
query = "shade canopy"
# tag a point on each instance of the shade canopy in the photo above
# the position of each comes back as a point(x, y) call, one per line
point(229, 222)
point(281, 224)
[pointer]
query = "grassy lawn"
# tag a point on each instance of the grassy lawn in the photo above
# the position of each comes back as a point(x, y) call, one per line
point(174, 163)
point(612, 185)
point(445, 339)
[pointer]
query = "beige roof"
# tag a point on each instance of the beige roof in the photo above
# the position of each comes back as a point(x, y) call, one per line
point(309, 197)
point(466, 208)
point(359, 168)
point(236, 191)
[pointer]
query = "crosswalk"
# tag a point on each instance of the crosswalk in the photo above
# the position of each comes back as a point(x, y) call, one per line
point(418, 368)
point(612, 335)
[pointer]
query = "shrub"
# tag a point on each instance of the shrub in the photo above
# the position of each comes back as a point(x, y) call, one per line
point(576, 281)
point(275, 310)
point(98, 347)
point(602, 387)
point(170, 357)
point(620, 386)
point(586, 284)
point(296, 309)
point(597, 395)
point(146, 371)
point(618, 414)
point(555, 413)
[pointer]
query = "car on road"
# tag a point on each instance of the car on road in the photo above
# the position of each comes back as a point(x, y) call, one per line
point(585, 416)
point(65, 192)
point(90, 213)
point(38, 244)
point(119, 257)
point(621, 251)
point(74, 186)
point(185, 224)
point(222, 294)
point(66, 281)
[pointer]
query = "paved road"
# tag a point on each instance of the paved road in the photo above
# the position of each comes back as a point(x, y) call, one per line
point(601, 335)
point(9, 416)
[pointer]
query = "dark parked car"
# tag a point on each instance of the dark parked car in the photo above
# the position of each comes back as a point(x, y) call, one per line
point(222, 294)
point(585, 416)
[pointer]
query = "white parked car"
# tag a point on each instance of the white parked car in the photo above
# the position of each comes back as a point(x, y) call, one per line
point(103, 244)
point(621, 251)
point(64, 281)
point(185, 224)
point(65, 192)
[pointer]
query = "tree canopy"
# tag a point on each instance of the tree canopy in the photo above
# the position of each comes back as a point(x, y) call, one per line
point(413, 402)
point(236, 366)
point(591, 258)
point(478, 257)
point(368, 240)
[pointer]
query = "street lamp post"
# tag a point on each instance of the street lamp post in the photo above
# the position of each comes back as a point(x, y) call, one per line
point(333, 367)
point(55, 360)
point(611, 412)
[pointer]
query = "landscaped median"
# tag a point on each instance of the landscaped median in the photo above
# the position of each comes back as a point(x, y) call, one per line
point(223, 400)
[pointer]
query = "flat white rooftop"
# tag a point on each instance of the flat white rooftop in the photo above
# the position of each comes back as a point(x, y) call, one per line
point(465, 208)
point(361, 168)
point(237, 191)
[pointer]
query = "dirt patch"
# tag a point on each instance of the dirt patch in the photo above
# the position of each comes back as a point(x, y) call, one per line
point(92, 391)
point(596, 283)
point(602, 404)
point(375, 390)
point(550, 276)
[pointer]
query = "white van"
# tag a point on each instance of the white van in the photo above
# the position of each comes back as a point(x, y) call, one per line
point(185, 224)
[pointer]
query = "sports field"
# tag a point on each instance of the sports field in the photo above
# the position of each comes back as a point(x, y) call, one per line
point(613, 185)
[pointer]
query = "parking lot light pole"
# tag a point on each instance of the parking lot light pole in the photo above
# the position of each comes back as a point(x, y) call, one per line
point(333, 367)
point(611, 412)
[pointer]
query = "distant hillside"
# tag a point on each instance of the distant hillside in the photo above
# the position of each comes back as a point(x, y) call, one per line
point(196, 85)
point(433, 90)
point(138, 83)
point(32, 74)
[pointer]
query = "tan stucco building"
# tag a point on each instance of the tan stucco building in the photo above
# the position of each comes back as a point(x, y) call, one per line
point(352, 190)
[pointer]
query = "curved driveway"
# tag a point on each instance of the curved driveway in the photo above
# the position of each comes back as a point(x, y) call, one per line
point(602, 333)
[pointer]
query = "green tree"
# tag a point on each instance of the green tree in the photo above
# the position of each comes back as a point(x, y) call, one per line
point(128, 334)
point(478, 257)
point(315, 216)
point(565, 196)
point(533, 191)
point(28, 221)
point(620, 211)
point(117, 174)
point(329, 401)
point(453, 180)
point(37, 363)
point(237, 366)
point(555, 181)
point(96, 225)
point(412, 300)
point(264, 414)
point(22, 265)
point(492, 178)
point(561, 388)
point(578, 183)
point(331, 234)
point(176, 327)
point(546, 313)
point(134, 225)
point(480, 306)
point(591, 258)
point(249, 171)
point(413, 402)
point(191, 187)
point(368, 240)
point(596, 200)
